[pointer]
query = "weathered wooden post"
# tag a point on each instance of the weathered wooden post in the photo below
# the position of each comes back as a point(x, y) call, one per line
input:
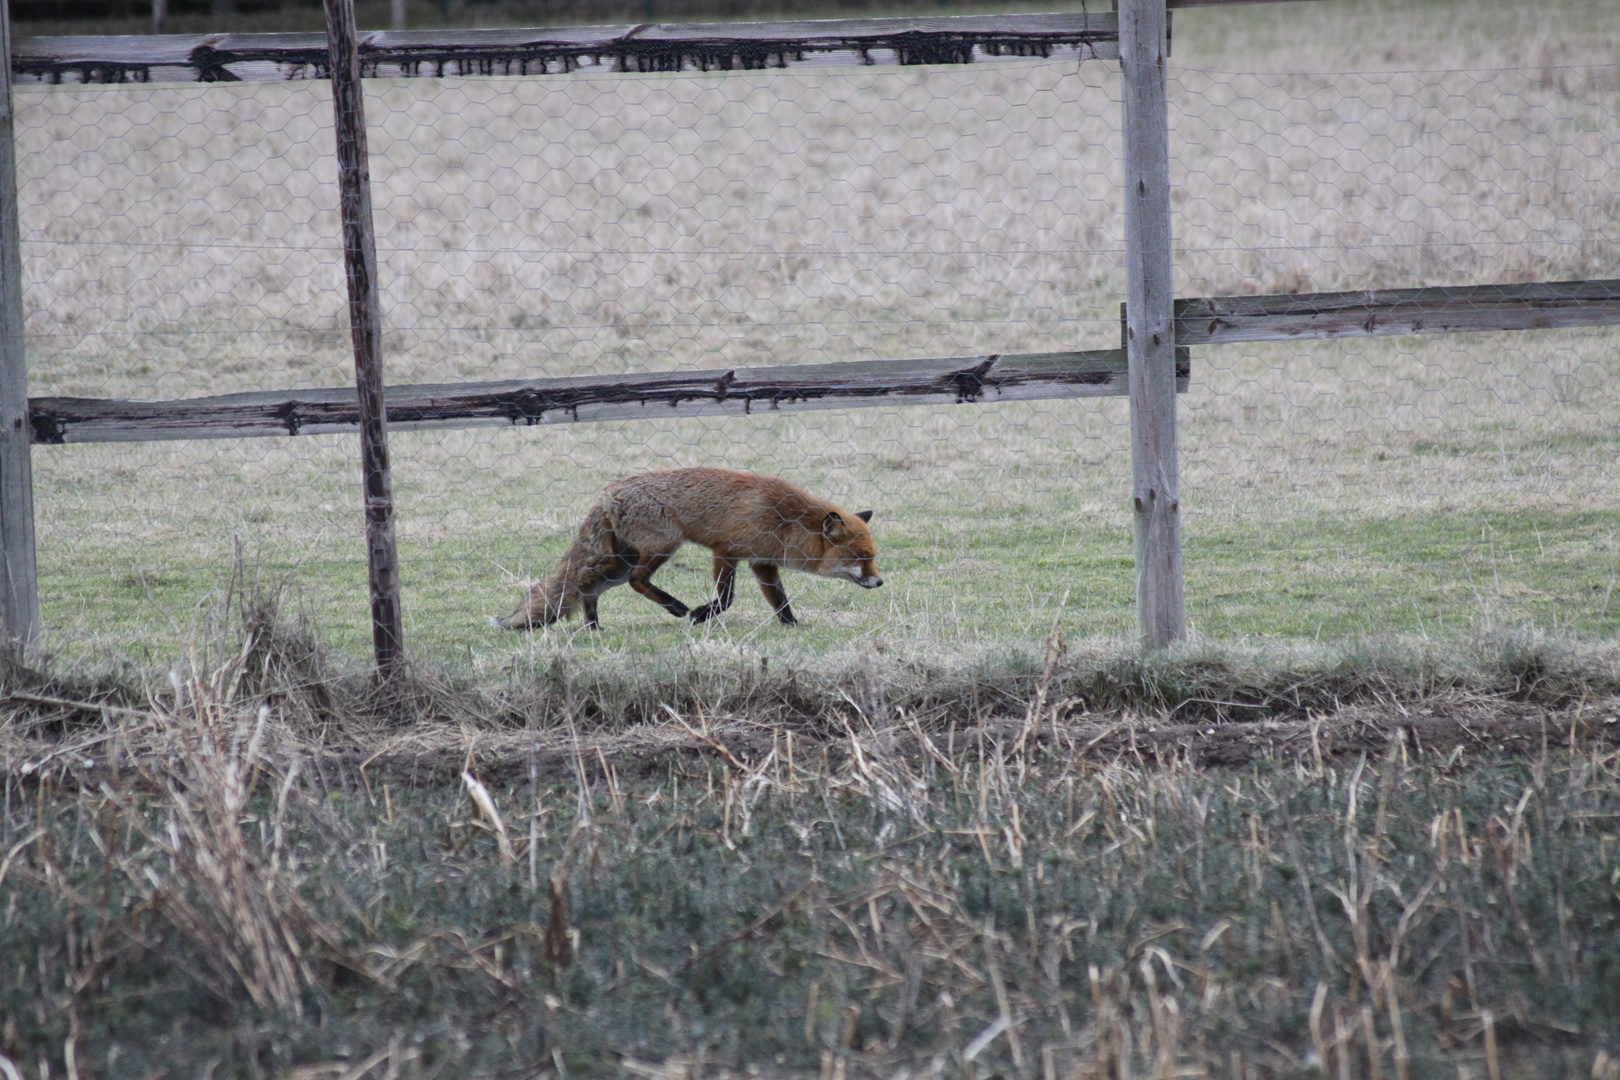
point(1149, 331)
point(365, 322)
point(19, 588)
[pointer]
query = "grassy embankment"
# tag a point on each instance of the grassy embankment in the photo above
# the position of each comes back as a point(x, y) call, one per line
point(916, 883)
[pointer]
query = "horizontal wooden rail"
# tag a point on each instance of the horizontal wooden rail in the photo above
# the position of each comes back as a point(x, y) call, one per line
point(596, 397)
point(1536, 306)
point(1203, 321)
point(1174, 4)
point(961, 39)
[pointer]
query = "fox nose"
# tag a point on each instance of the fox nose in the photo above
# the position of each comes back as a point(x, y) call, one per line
point(872, 582)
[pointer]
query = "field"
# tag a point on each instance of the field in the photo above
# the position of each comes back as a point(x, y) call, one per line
point(1429, 486)
point(1360, 824)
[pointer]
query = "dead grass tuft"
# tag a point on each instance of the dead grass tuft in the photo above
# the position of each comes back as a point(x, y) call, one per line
point(171, 833)
point(238, 908)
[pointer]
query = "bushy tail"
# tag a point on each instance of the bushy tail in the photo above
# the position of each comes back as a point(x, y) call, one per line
point(589, 563)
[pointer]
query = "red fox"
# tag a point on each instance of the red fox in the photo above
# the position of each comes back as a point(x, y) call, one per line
point(641, 520)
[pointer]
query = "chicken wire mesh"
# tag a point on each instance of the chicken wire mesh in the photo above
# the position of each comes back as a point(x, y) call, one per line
point(181, 241)
point(1432, 483)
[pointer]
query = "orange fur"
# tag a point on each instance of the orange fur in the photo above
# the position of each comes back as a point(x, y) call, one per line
point(642, 520)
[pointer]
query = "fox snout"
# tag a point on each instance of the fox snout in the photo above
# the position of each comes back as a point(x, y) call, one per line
point(864, 576)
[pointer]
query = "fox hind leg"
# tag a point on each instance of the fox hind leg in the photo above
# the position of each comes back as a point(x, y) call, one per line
point(614, 570)
point(640, 580)
point(597, 561)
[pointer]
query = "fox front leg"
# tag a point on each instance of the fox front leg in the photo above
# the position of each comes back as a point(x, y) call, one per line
point(725, 581)
point(769, 576)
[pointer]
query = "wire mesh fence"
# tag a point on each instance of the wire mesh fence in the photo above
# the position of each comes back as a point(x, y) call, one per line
point(1433, 483)
point(183, 240)
point(588, 225)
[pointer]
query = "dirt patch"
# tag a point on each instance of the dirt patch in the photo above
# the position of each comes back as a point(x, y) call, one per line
point(1451, 730)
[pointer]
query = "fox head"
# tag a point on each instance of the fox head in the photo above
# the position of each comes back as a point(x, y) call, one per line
point(850, 551)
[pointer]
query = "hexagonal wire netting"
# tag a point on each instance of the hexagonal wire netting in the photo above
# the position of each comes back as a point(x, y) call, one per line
point(1428, 484)
point(183, 240)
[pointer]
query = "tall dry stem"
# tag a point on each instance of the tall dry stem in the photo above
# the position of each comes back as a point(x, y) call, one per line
point(239, 911)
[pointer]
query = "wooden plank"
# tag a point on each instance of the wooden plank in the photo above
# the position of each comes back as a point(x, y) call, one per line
point(365, 323)
point(1149, 338)
point(1286, 317)
point(581, 399)
point(1174, 4)
point(19, 576)
point(961, 39)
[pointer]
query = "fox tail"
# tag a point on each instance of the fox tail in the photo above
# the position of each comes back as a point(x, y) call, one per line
point(591, 564)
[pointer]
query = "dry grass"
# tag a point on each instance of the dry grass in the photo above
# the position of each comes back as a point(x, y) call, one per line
point(606, 224)
point(1213, 878)
point(236, 906)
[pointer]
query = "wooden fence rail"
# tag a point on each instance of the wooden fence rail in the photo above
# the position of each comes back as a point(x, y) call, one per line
point(1218, 320)
point(1535, 305)
point(737, 391)
point(959, 39)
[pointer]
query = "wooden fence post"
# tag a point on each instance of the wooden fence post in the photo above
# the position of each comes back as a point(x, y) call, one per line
point(365, 322)
point(19, 587)
point(1149, 330)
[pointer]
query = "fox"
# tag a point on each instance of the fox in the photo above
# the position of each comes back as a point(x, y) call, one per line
point(641, 520)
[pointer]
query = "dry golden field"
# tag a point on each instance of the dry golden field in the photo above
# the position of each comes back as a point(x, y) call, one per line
point(182, 241)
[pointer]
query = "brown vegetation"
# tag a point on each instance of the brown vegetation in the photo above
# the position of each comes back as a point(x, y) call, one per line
point(1092, 866)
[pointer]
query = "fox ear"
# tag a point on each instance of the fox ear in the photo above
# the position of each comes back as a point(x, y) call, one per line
point(864, 515)
point(832, 526)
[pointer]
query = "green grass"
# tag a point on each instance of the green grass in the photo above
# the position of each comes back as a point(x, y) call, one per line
point(1321, 577)
point(1440, 574)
